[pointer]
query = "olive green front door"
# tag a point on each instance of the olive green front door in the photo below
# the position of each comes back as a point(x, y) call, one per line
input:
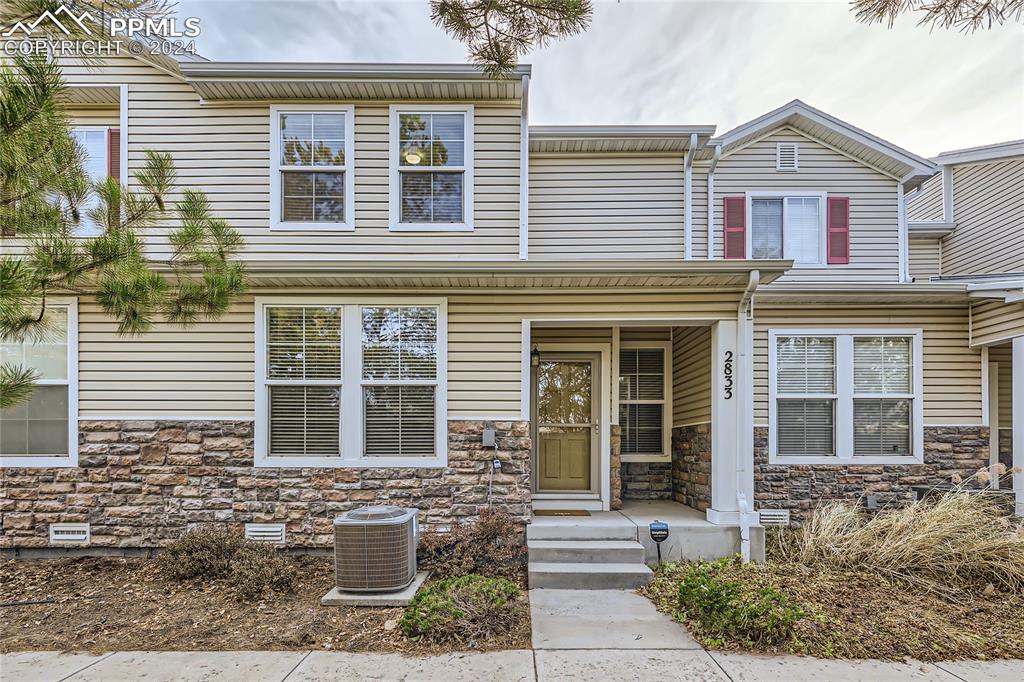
point(566, 422)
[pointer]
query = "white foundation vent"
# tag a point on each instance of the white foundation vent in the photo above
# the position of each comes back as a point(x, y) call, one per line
point(786, 156)
point(774, 517)
point(265, 532)
point(69, 533)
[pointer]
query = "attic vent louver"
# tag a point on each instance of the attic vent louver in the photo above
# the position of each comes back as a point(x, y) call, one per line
point(786, 158)
point(774, 517)
point(265, 532)
point(69, 533)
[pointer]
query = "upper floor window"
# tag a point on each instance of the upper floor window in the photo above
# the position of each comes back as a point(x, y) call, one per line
point(645, 389)
point(852, 396)
point(312, 182)
point(351, 383)
point(42, 431)
point(810, 229)
point(96, 144)
point(432, 168)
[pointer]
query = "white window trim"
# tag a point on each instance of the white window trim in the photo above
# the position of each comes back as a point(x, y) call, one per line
point(844, 401)
point(276, 223)
point(666, 418)
point(394, 189)
point(71, 459)
point(822, 198)
point(351, 384)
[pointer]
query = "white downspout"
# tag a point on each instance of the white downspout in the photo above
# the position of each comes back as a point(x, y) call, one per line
point(711, 200)
point(745, 441)
point(903, 236)
point(688, 197)
point(524, 172)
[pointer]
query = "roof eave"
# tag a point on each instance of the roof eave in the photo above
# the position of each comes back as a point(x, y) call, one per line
point(308, 70)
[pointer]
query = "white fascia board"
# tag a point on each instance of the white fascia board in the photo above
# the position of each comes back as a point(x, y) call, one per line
point(339, 71)
point(987, 153)
point(929, 229)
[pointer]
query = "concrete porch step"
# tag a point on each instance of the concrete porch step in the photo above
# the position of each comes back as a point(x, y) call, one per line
point(585, 551)
point(599, 526)
point(589, 576)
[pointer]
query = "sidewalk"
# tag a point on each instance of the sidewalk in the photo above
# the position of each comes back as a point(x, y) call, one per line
point(577, 635)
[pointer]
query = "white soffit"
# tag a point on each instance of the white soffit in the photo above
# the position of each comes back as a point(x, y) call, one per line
point(572, 139)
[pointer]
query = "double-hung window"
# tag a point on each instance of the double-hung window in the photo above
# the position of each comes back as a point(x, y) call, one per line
point(351, 383)
point(645, 389)
point(845, 396)
point(790, 227)
point(96, 164)
point(432, 168)
point(312, 182)
point(43, 432)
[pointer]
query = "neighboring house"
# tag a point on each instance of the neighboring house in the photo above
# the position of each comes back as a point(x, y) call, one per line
point(638, 313)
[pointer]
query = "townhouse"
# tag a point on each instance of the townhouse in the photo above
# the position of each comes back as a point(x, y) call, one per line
point(452, 309)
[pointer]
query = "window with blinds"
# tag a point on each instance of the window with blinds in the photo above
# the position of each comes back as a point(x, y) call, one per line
point(806, 388)
point(39, 427)
point(849, 396)
point(303, 380)
point(882, 395)
point(399, 360)
point(642, 400)
point(786, 227)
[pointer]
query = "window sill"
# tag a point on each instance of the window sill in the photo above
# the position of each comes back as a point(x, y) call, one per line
point(431, 227)
point(313, 227)
point(835, 461)
point(37, 462)
point(646, 458)
point(360, 463)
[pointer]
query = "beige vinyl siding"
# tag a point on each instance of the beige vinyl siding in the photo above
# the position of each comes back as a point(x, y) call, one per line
point(691, 375)
point(84, 117)
point(993, 321)
point(224, 149)
point(644, 334)
point(988, 208)
point(925, 258)
point(874, 240)
point(1003, 354)
point(926, 203)
point(952, 370)
point(204, 370)
point(606, 206)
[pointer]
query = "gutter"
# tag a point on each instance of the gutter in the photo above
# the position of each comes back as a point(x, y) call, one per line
point(572, 132)
point(339, 71)
point(929, 229)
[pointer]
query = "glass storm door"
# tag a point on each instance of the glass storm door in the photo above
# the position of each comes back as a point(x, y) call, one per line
point(566, 423)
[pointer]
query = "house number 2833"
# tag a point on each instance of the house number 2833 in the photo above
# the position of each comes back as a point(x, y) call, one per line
point(727, 375)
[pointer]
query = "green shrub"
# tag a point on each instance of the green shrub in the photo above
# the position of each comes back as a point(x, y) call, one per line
point(200, 553)
point(730, 610)
point(463, 610)
point(257, 571)
point(493, 546)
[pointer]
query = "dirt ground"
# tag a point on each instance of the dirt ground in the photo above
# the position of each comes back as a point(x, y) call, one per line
point(105, 604)
point(860, 615)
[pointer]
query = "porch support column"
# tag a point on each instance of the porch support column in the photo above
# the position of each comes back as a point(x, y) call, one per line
point(725, 423)
point(1018, 423)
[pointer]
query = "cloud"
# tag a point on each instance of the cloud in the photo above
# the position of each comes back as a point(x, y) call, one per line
point(685, 62)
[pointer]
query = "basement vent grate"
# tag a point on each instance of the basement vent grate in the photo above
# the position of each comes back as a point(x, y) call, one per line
point(786, 156)
point(265, 532)
point(774, 517)
point(69, 533)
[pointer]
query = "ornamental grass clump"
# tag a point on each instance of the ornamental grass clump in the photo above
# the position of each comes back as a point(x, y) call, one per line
point(952, 544)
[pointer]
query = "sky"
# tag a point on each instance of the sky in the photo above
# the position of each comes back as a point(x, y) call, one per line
point(683, 63)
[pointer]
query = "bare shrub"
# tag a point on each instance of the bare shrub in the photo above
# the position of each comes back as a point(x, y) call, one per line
point(949, 544)
point(200, 553)
point(465, 610)
point(257, 571)
point(494, 546)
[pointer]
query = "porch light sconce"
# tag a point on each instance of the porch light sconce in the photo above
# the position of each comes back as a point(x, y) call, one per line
point(535, 357)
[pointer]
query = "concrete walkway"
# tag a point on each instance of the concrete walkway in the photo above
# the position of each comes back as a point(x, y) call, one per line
point(577, 635)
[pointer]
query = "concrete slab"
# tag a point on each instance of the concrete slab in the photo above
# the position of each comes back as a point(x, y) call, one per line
point(748, 668)
point(338, 598)
point(633, 664)
point(985, 671)
point(691, 535)
point(495, 666)
point(602, 619)
point(29, 666)
point(191, 666)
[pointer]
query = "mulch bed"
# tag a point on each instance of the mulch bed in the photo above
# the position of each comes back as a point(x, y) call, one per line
point(860, 615)
point(105, 604)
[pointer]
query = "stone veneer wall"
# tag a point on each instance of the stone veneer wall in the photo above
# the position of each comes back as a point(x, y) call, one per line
point(647, 481)
point(615, 475)
point(1006, 447)
point(144, 483)
point(948, 450)
point(691, 465)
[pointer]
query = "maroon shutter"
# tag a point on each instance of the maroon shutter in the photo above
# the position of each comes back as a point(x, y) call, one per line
point(735, 226)
point(114, 153)
point(838, 230)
